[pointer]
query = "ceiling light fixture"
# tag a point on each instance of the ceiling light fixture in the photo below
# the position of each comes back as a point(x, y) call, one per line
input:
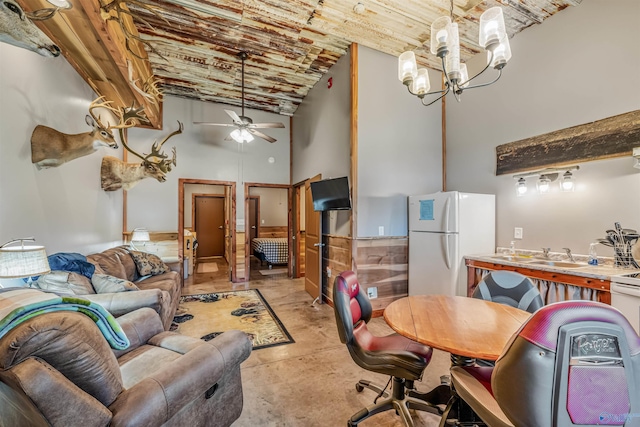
point(445, 44)
point(241, 135)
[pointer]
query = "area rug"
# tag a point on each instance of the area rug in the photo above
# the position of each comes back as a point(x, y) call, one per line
point(273, 271)
point(206, 316)
point(207, 267)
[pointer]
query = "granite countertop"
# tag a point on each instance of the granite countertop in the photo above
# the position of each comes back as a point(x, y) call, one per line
point(603, 271)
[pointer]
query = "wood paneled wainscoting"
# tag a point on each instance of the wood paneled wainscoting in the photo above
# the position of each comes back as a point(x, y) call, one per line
point(336, 257)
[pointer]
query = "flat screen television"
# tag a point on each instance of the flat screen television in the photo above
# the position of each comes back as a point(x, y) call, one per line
point(331, 194)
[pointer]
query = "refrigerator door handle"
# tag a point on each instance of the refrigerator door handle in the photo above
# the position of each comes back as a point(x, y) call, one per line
point(446, 216)
point(447, 258)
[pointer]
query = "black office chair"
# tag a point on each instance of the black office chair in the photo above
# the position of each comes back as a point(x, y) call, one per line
point(509, 288)
point(394, 355)
point(573, 363)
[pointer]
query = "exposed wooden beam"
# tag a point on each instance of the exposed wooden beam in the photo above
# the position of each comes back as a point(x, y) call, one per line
point(603, 139)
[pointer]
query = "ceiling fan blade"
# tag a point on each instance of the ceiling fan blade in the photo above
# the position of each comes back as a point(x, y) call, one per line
point(261, 135)
point(214, 124)
point(234, 116)
point(266, 125)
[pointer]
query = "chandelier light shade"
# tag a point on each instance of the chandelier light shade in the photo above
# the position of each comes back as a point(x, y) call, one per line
point(22, 261)
point(445, 44)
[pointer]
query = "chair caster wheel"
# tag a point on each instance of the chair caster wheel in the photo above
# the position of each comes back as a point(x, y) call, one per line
point(359, 389)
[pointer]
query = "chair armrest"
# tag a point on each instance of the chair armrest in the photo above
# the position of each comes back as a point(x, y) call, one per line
point(139, 326)
point(157, 398)
point(119, 303)
point(53, 395)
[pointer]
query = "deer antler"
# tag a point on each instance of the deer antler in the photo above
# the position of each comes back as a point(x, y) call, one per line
point(163, 162)
point(115, 11)
point(99, 103)
point(149, 89)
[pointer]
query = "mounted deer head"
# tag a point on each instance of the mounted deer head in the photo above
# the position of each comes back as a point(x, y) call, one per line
point(17, 29)
point(51, 148)
point(116, 174)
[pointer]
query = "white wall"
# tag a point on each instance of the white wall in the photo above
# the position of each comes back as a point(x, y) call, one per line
point(322, 136)
point(64, 207)
point(204, 154)
point(580, 65)
point(399, 145)
point(274, 208)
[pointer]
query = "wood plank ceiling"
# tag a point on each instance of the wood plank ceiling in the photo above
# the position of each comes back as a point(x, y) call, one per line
point(291, 43)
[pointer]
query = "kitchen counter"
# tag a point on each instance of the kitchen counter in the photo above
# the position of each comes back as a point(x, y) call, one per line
point(594, 277)
point(601, 272)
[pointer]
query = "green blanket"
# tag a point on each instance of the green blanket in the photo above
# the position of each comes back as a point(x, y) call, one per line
point(19, 304)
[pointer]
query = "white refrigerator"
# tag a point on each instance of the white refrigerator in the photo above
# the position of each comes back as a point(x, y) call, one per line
point(443, 228)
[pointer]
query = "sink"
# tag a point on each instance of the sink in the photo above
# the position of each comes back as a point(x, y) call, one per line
point(560, 264)
point(512, 258)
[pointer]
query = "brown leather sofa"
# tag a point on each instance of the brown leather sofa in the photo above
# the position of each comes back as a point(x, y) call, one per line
point(56, 369)
point(119, 263)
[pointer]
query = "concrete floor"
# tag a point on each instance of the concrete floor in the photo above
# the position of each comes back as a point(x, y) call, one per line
point(311, 382)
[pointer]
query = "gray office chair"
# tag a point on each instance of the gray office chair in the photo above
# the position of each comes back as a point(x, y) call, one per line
point(509, 288)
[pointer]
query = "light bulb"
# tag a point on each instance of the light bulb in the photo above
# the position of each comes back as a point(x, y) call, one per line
point(491, 30)
point(442, 36)
point(407, 67)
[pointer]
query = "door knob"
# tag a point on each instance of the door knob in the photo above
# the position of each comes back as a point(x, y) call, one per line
point(220, 227)
point(253, 226)
point(318, 244)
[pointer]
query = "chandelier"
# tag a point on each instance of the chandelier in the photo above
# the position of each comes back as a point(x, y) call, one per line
point(445, 44)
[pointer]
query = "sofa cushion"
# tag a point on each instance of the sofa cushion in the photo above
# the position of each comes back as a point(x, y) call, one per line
point(65, 283)
point(148, 264)
point(116, 262)
point(169, 282)
point(103, 283)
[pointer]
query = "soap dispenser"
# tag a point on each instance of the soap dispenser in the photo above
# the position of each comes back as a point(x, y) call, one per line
point(593, 256)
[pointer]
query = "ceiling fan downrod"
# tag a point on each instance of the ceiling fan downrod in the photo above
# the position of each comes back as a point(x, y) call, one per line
point(242, 55)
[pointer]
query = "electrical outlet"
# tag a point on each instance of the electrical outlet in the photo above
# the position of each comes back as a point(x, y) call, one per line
point(372, 292)
point(517, 233)
point(381, 230)
point(328, 272)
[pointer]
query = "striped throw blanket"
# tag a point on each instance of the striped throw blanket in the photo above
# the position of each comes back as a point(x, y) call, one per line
point(19, 304)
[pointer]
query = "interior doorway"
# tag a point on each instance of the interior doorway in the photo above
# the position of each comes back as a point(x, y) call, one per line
point(299, 232)
point(213, 191)
point(268, 208)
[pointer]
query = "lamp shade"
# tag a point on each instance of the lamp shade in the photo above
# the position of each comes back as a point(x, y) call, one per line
point(140, 235)
point(421, 84)
point(407, 66)
point(23, 261)
point(492, 29)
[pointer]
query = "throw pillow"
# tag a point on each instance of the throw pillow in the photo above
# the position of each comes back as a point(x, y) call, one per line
point(103, 283)
point(65, 282)
point(148, 264)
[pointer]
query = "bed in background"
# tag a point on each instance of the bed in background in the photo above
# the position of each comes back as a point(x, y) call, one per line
point(273, 250)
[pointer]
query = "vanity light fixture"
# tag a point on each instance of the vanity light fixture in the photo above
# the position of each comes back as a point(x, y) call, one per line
point(545, 178)
point(636, 156)
point(445, 44)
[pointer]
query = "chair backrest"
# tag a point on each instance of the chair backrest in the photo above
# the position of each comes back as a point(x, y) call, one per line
point(351, 305)
point(573, 363)
point(509, 288)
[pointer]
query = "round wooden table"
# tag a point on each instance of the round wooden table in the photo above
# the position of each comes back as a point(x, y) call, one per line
point(462, 326)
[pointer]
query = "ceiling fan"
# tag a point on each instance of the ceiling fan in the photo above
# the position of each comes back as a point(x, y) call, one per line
point(245, 128)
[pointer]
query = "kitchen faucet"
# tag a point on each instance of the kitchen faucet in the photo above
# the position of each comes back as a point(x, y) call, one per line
point(568, 251)
point(545, 252)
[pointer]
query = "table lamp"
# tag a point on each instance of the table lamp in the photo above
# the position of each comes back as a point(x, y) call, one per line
point(139, 235)
point(22, 261)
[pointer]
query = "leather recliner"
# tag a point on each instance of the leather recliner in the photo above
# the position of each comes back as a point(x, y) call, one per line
point(57, 369)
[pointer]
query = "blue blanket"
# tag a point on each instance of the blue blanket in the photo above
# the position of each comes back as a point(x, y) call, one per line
point(70, 261)
point(19, 304)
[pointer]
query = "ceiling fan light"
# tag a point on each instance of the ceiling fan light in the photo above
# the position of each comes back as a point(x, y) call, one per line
point(241, 135)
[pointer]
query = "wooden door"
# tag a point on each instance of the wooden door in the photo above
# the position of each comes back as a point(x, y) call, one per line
point(253, 217)
point(209, 224)
point(313, 242)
